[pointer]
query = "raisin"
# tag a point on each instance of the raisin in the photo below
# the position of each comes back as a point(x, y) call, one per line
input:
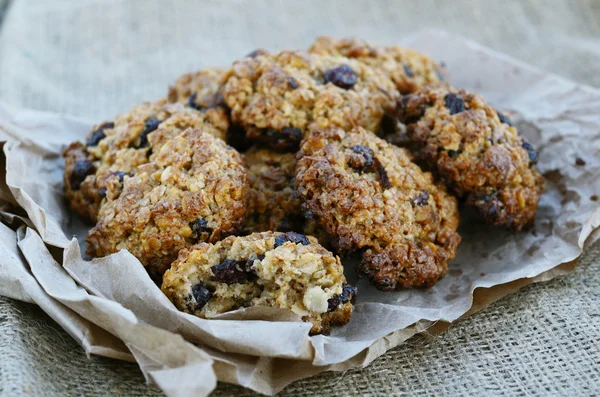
point(150, 125)
point(383, 176)
point(363, 159)
point(342, 76)
point(453, 153)
point(285, 139)
point(580, 162)
point(99, 135)
point(293, 83)
point(257, 52)
point(454, 102)
point(293, 237)
point(192, 102)
point(201, 295)
point(121, 175)
point(421, 199)
point(348, 294)
point(411, 109)
point(531, 152)
point(503, 118)
point(408, 71)
point(250, 262)
point(199, 226)
point(81, 170)
point(229, 272)
point(102, 193)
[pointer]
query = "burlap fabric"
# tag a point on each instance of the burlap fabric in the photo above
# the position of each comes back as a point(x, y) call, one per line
point(97, 58)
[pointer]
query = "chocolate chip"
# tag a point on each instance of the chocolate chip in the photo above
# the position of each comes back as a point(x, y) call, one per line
point(453, 153)
point(594, 197)
point(201, 295)
point(364, 158)
point(383, 176)
point(293, 237)
point(408, 71)
point(150, 125)
point(81, 170)
point(421, 199)
point(503, 118)
point(348, 294)
point(229, 272)
point(293, 83)
point(454, 102)
point(98, 135)
point(580, 162)
point(531, 152)
point(199, 226)
point(342, 76)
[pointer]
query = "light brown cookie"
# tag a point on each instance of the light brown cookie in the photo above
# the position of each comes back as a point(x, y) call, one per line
point(285, 270)
point(371, 197)
point(194, 189)
point(477, 152)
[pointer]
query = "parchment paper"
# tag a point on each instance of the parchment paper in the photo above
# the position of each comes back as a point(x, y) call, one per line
point(560, 117)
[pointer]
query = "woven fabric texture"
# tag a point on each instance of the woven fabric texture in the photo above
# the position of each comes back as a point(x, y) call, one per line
point(97, 58)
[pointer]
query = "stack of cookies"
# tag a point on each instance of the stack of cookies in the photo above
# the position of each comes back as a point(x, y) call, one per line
point(244, 185)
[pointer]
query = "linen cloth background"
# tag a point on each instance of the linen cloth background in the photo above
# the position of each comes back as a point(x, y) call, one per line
point(95, 59)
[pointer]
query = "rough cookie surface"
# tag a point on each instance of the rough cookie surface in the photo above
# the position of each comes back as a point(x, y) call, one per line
point(286, 270)
point(273, 204)
point(194, 189)
point(370, 196)
point(96, 169)
point(278, 98)
point(477, 151)
point(409, 69)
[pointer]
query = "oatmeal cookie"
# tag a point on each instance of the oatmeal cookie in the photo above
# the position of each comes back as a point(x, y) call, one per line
point(409, 69)
point(477, 151)
point(200, 90)
point(113, 150)
point(273, 203)
point(286, 270)
point(194, 189)
point(277, 98)
point(371, 197)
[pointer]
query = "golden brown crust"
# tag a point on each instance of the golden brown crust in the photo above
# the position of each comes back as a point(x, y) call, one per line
point(480, 157)
point(277, 98)
point(194, 189)
point(114, 149)
point(285, 270)
point(370, 196)
point(200, 90)
point(409, 69)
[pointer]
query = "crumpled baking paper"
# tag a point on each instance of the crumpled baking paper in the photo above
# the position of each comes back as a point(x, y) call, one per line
point(112, 308)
